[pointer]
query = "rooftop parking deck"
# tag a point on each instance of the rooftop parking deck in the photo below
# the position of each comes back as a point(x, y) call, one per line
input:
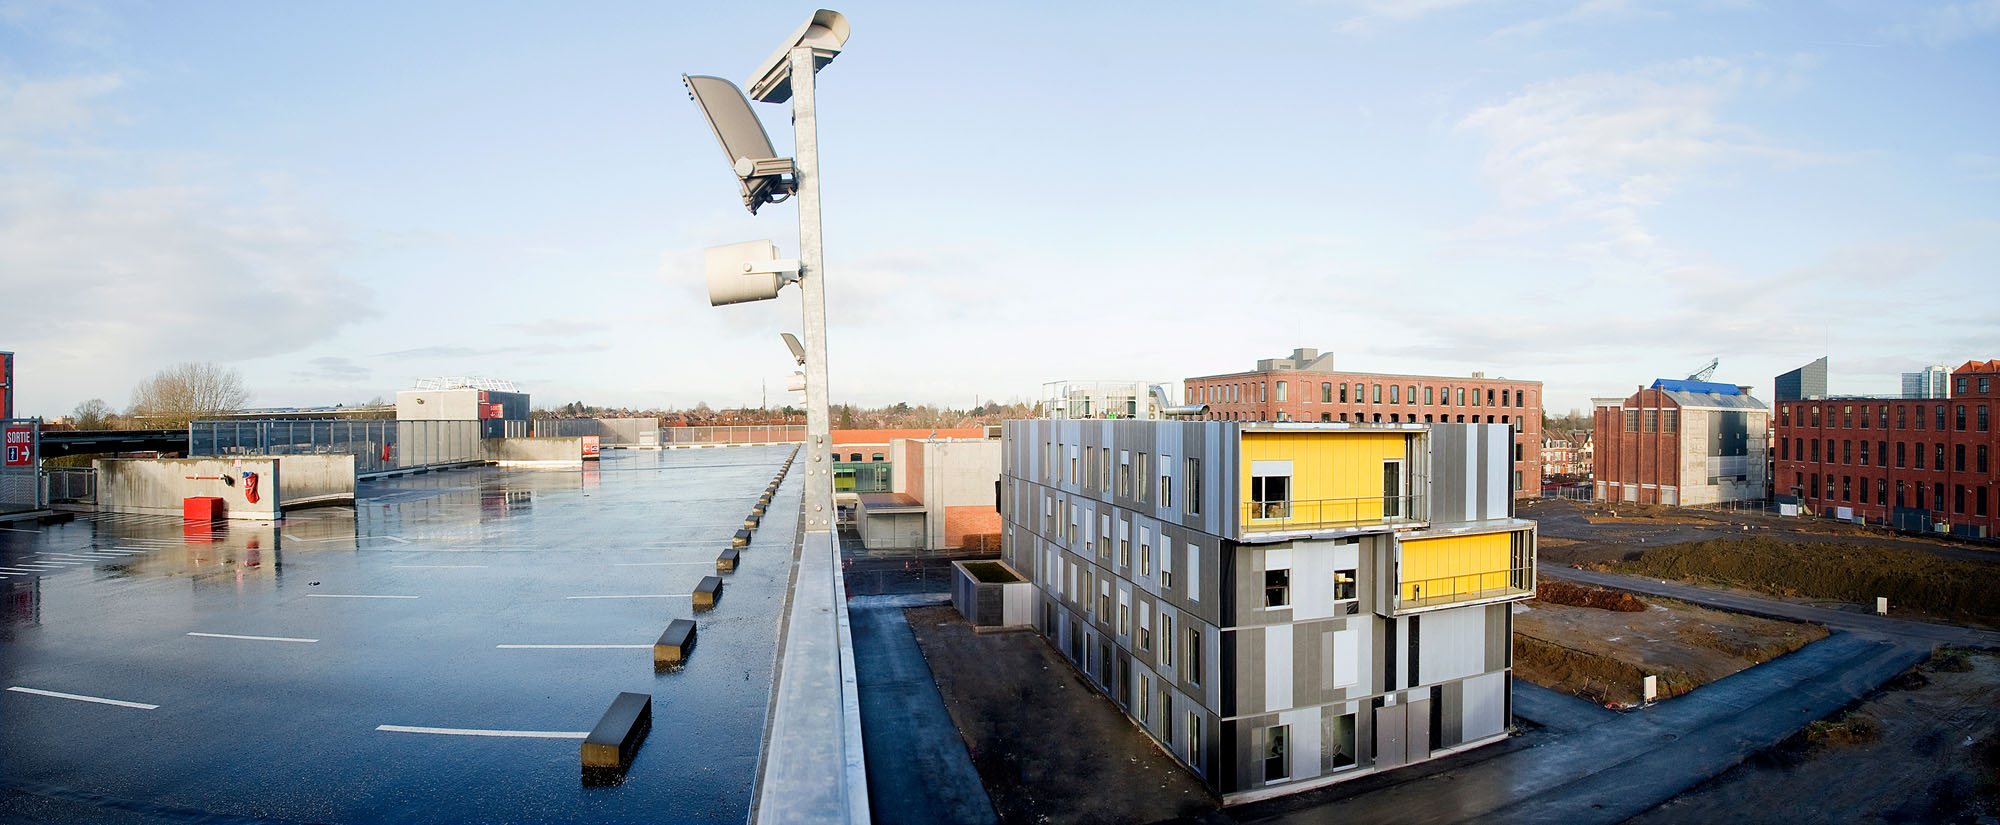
point(434, 653)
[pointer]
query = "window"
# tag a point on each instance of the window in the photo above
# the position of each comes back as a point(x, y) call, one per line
point(1652, 421)
point(1882, 453)
point(1938, 457)
point(1985, 385)
point(1411, 396)
point(1940, 418)
point(1166, 481)
point(1271, 495)
point(1124, 544)
point(1194, 656)
point(1981, 466)
point(1194, 486)
point(1166, 563)
point(1461, 397)
point(1145, 551)
point(1344, 587)
point(1958, 463)
point(1846, 452)
point(1982, 413)
point(1277, 753)
point(1104, 601)
point(1281, 391)
point(1343, 742)
point(1392, 489)
point(1277, 588)
point(1902, 456)
point(1343, 392)
point(1784, 416)
point(1920, 416)
point(1124, 472)
point(1378, 394)
point(1145, 698)
point(1881, 491)
point(854, 457)
point(1784, 450)
point(1194, 754)
point(1503, 398)
point(1395, 397)
point(1124, 616)
point(1903, 418)
point(1475, 396)
point(1961, 390)
point(1194, 573)
point(1166, 717)
point(1142, 476)
point(1920, 455)
point(1429, 396)
point(1105, 549)
point(1518, 395)
point(1260, 390)
point(1631, 421)
point(1882, 416)
point(1489, 398)
point(1167, 633)
point(1960, 419)
point(1815, 412)
point(1326, 393)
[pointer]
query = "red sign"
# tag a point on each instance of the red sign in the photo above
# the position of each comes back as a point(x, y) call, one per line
point(495, 411)
point(590, 446)
point(20, 446)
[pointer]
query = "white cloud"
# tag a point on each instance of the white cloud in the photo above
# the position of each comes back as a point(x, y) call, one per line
point(1944, 25)
point(1366, 14)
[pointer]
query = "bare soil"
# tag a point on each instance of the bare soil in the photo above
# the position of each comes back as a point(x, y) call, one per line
point(1048, 747)
point(1603, 655)
point(1930, 754)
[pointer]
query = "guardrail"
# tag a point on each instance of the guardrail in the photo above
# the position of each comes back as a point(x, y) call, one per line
point(754, 434)
point(1332, 513)
point(1465, 587)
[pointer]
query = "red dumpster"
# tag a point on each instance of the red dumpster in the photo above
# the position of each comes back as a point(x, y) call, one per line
point(203, 509)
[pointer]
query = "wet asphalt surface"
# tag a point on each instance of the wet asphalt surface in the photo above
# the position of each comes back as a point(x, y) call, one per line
point(285, 728)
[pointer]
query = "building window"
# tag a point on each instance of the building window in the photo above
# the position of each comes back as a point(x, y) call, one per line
point(1194, 486)
point(1985, 385)
point(1277, 753)
point(1902, 456)
point(1124, 472)
point(1846, 452)
point(1960, 418)
point(1411, 396)
point(1281, 392)
point(1981, 466)
point(1392, 489)
point(1940, 418)
point(1982, 413)
point(1343, 392)
point(1145, 700)
point(1395, 396)
point(1343, 749)
point(1271, 496)
point(1784, 416)
point(1194, 573)
point(1194, 754)
point(1142, 476)
point(1326, 417)
point(1784, 450)
point(1277, 588)
point(1847, 417)
point(1958, 463)
point(1475, 396)
point(1344, 587)
point(1881, 453)
point(1881, 491)
point(1961, 389)
point(1902, 417)
point(1938, 457)
point(1378, 394)
point(1166, 563)
point(1124, 616)
point(1105, 525)
point(1920, 455)
point(1489, 398)
point(1145, 551)
point(1652, 421)
point(1260, 390)
point(1104, 601)
point(1194, 656)
point(1846, 488)
point(1167, 633)
point(1503, 398)
point(1631, 421)
point(1958, 498)
point(1166, 481)
point(1429, 396)
point(1326, 393)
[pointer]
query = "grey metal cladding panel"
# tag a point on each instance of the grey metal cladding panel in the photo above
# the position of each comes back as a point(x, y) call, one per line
point(1497, 636)
point(1449, 452)
point(1248, 670)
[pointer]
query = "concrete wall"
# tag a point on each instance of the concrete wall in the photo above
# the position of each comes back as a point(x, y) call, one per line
point(316, 479)
point(530, 452)
point(156, 486)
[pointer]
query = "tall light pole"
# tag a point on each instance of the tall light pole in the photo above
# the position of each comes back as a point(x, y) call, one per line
point(812, 769)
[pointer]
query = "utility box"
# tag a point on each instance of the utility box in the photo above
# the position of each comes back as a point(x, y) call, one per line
point(203, 509)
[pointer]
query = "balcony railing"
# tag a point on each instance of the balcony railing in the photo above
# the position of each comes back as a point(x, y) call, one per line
point(1330, 513)
point(1416, 594)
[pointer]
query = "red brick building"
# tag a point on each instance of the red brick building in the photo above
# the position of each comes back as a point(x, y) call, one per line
point(1306, 387)
point(1681, 443)
point(1917, 463)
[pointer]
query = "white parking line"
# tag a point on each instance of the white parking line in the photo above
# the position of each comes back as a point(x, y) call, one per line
point(439, 566)
point(352, 596)
point(81, 698)
point(572, 647)
point(252, 638)
point(522, 734)
point(638, 596)
point(657, 563)
point(15, 570)
point(18, 530)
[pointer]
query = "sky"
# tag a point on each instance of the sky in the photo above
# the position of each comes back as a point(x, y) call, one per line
point(338, 199)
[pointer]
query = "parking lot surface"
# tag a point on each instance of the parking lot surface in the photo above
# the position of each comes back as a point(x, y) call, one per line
point(432, 654)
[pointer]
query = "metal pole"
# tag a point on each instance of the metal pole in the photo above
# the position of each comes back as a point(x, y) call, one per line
point(812, 291)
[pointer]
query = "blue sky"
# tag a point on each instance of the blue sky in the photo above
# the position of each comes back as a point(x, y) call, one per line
point(338, 199)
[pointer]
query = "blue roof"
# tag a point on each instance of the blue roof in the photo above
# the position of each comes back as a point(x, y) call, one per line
point(1683, 385)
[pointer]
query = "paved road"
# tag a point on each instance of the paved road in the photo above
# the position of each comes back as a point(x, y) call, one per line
point(1863, 623)
point(918, 769)
point(1602, 771)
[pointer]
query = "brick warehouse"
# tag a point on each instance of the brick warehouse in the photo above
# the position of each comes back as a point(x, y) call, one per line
point(1681, 443)
point(1924, 464)
point(1306, 387)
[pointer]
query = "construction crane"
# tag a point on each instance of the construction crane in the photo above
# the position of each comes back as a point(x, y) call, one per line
point(1703, 373)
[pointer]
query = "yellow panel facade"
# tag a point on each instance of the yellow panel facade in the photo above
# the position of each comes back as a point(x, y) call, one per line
point(1336, 476)
point(1455, 567)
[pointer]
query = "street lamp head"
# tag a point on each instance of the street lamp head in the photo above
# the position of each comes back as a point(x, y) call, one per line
point(744, 141)
point(792, 343)
point(747, 271)
point(824, 33)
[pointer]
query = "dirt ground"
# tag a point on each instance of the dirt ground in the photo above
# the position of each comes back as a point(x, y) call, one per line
point(1934, 757)
point(1603, 655)
point(1815, 561)
point(1048, 748)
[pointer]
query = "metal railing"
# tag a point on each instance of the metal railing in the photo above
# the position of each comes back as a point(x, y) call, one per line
point(758, 434)
point(377, 445)
point(72, 485)
point(1330, 513)
point(1464, 587)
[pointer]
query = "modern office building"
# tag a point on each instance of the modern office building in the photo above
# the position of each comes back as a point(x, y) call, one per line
point(1933, 382)
point(1923, 464)
point(1808, 381)
point(1683, 443)
point(1105, 399)
point(1279, 605)
point(940, 495)
point(1306, 387)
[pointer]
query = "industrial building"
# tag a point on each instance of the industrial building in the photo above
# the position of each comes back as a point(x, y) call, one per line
point(1306, 387)
point(502, 411)
point(1279, 605)
point(1922, 464)
point(1682, 442)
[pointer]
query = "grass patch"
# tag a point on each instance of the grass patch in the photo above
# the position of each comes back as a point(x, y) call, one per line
point(1848, 729)
point(1952, 587)
point(1949, 659)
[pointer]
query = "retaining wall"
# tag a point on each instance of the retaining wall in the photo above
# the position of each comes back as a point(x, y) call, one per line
point(535, 452)
point(156, 486)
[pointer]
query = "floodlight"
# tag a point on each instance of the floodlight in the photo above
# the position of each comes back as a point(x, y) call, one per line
point(757, 166)
point(792, 343)
point(747, 271)
point(825, 33)
point(796, 383)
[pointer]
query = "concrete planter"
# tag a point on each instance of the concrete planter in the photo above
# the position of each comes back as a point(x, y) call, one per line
point(991, 594)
